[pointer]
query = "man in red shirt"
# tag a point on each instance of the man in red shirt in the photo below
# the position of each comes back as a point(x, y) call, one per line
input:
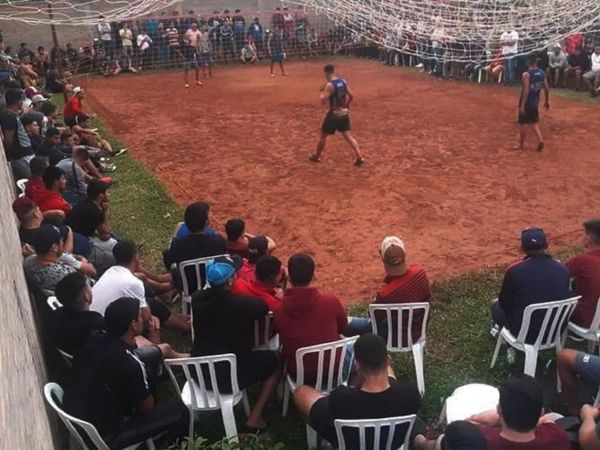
point(307, 316)
point(516, 424)
point(585, 269)
point(50, 199)
point(574, 41)
point(269, 275)
point(257, 247)
point(35, 184)
point(73, 107)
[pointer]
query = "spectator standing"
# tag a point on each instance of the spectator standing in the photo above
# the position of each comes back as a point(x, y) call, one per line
point(105, 32)
point(239, 29)
point(437, 45)
point(510, 48)
point(127, 43)
point(205, 52)
point(557, 66)
point(191, 41)
point(585, 271)
point(172, 35)
point(256, 31)
point(144, 41)
point(17, 145)
point(226, 36)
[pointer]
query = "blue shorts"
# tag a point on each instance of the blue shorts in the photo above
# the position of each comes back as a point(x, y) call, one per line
point(277, 57)
point(588, 366)
point(204, 59)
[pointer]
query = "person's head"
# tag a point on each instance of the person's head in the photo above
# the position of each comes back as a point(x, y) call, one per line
point(83, 120)
point(532, 59)
point(597, 49)
point(54, 179)
point(53, 136)
point(25, 59)
point(235, 228)
point(462, 435)
point(257, 247)
point(23, 45)
point(37, 101)
point(221, 273)
point(370, 355)
point(38, 165)
point(27, 210)
point(67, 138)
point(126, 254)
point(256, 20)
point(194, 25)
point(81, 155)
point(533, 241)
point(79, 92)
point(268, 270)
point(521, 402)
point(14, 99)
point(592, 233)
point(123, 318)
point(74, 292)
point(301, 269)
point(97, 191)
point(48, 241)
point(196, 216)
point(237, 11)
point(393, 255)
point(41, 49)
point(556, 49)
point(50, 110)
point(30, 125)
point(69, 46)
point(329, 70)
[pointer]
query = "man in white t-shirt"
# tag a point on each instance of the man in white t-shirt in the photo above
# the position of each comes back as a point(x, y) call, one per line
point(120, 281)
point(105, 32)
point(143, 42)
point(510, 46)
point(592, 77)
point(127, 42)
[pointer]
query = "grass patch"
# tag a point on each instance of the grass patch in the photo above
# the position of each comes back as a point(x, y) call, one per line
point(458, 350)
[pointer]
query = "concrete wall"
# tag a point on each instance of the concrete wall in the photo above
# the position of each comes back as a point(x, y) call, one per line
point(24, 423)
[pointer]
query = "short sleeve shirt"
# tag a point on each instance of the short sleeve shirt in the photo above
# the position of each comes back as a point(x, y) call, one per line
point(9, 121)
point(85, 218)
point(75, 176)
point(117, 282)
point(45, 276)
point(548, 436)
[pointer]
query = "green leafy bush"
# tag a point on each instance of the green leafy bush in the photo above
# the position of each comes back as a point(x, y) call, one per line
point(247, 442)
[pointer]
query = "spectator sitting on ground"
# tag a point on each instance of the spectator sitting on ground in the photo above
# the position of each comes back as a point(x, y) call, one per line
point(89, 137)
point(16, 142)
point(592, 77)
point(585, 271)
point(270, 276)
point(248, 53)
point(73, 107)
point(458, 435)
point(46, 268)
point(224, 323)
point(27, 75)
point(307, 316)
point(120, 280)
point(516, 422)
point(538, 278)
point(108, 385)
point(378, 395)
point(33, 130)
point(557, 66)
point(238, 239)
point(51, 199)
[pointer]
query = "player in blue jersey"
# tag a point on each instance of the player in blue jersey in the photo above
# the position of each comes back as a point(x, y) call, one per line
point(533, 81)
point(337, 94)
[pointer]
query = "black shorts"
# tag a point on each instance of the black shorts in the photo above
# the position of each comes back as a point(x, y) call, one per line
point(331, 124)
point(530, 116)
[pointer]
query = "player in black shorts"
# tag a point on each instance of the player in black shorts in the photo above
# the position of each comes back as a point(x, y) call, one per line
point(534, 81)
point(337, 93)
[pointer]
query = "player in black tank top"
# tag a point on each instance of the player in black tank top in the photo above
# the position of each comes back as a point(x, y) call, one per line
point(533, 81)
point(338, 95)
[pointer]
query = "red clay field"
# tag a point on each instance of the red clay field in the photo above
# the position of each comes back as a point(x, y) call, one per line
point(441, 169)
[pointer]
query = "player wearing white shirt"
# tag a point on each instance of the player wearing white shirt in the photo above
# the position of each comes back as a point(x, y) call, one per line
point(510, 47)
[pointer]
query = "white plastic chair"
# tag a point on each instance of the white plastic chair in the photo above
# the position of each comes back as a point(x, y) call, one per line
point(22, 184)
point(468, 400)
point(262, 334)
point(401, 326)
point(377, 442)
point(199, 266)
point(54, 396)
point(197, 397)
point(591, 334)
point(551, 333)
point(53, 303)
point(329, 376)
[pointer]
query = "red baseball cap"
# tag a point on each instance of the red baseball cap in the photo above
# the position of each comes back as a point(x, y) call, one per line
point(23, 205)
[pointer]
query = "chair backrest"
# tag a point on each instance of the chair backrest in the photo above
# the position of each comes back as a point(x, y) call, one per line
point(54, 396)
point(53, 303)
point(400, 319)
point(554, 316)
point(262, 330)
point(21, 184)
point(193, 274)
point(377, 439)
point(331, 363)
point(200, 383)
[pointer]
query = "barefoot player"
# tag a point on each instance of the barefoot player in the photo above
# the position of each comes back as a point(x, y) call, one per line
point(337, 93)
point(534, 80)
point(191, 40)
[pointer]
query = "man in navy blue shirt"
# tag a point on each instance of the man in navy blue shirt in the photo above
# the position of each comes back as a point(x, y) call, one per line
point(538, 278)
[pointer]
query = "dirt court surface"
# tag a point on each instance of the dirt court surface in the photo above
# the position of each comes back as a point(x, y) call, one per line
point(441, 170)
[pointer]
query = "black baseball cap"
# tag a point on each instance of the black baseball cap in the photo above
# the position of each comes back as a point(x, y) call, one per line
point(533, 238)
point(48, 235)
point(463, 435)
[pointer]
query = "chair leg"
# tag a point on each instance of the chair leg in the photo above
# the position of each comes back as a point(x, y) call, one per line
point(442, 419)
point(591, 346)
point(246, 403)
point(531, 354)
point(150, 444)
point(311, 438)
point(191, 430)
point(229, 421)
point(418, 351)
point(497, 349)
point(286, 399)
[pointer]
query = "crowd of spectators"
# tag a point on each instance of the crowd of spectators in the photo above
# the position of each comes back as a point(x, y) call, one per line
point(114, 308)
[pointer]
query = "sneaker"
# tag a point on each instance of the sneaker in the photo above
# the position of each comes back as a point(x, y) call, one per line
point(359, 162)
point(187, 85)
point(107, 167)
point(419, 66)
point(199, 83)
point(494, 331)
point(314, 158)
point(119, 152)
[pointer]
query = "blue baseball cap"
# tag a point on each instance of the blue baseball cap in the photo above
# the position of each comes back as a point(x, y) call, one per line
point(533, 238)
point(222, 269)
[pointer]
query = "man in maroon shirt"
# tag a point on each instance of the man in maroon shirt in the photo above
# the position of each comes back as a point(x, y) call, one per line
point(51, 199)
point(307, 316)
point(585, 269)
point(516, 424)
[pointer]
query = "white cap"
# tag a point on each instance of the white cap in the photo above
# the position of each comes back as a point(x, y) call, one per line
point(38, 98)
point(77, 90)
point(390, 241)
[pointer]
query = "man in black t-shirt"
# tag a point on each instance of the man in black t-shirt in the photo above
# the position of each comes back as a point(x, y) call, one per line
point(108, 385)
point(378, 396)
point(50, 149)
point(16, 142)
